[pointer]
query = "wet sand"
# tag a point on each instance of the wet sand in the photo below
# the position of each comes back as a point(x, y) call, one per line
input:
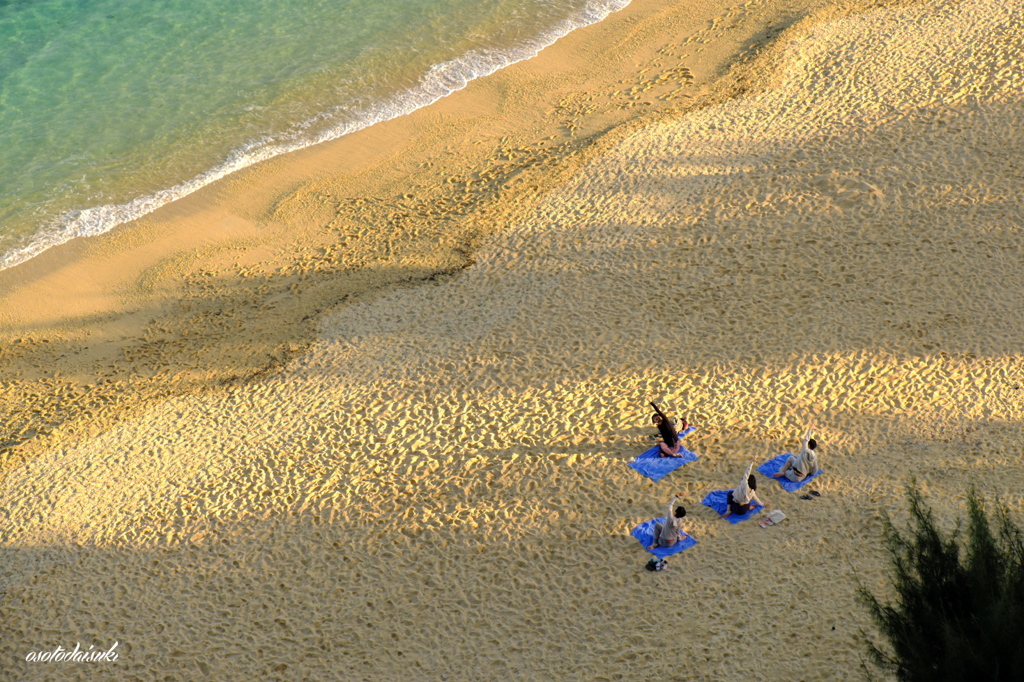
point(427, 479)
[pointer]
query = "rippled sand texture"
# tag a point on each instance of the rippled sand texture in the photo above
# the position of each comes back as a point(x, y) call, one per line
point(439, 489)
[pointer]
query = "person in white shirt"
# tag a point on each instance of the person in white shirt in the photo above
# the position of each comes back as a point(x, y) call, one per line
point(798, 467)
point(743, 497)
point(669, 533)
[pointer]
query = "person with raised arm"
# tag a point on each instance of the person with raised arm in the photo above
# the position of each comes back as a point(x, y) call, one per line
point(668, 446)
point(798, 467)
point(671, 531)
point(742, 498)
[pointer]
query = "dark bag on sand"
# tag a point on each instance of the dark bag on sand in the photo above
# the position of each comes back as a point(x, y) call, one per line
point(656, 564)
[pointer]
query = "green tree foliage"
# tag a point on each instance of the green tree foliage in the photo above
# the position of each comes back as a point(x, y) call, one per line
point(957, 618)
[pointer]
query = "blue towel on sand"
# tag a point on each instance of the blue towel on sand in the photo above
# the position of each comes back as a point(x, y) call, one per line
point(717, 501)
point(773, 465)
point(645, 534)
point(655, 467)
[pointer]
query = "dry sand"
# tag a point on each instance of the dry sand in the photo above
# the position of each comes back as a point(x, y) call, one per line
point(229, 283)
point(435, 488)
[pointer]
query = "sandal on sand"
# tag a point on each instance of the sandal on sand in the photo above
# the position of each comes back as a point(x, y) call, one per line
point(806, 497)
point(816, 493)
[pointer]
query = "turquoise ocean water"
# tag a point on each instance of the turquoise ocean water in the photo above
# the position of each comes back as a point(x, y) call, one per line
point(111, 108)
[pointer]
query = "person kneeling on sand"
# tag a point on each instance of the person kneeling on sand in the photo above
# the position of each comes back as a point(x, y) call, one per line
point(799, 467)
point(669, 533)
point(742, 498)
point(669, 444)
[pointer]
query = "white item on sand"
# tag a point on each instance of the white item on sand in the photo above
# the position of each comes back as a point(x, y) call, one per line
point(772, 518)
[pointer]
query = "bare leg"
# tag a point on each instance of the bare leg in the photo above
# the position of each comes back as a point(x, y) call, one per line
point(785, 467)
point(667, 451)
point(657, 534)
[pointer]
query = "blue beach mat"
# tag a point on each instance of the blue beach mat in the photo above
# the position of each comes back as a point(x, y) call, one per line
point(655, 467)
point(716, 499)
point(645, 534)
point(774, 464)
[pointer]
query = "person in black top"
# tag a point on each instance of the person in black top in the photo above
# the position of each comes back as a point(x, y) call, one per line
point(669, 444)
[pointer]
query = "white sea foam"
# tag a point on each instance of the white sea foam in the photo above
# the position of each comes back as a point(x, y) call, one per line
point(440, 80)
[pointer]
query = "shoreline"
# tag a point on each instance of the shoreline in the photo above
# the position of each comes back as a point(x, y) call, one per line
point(447, 77)
point(84, 324)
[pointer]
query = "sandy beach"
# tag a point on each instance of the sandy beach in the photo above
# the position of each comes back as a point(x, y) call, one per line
point(364, 411)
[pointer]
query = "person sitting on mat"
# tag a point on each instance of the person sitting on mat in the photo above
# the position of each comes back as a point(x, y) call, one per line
point(669, 533)
point(669, 444)
point(742, 498)
point(799, 467)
